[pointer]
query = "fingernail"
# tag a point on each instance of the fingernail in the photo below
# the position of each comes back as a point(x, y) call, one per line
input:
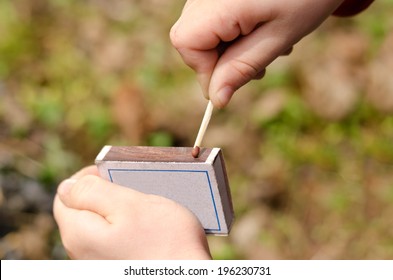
point(65, 186)
point(224, 95)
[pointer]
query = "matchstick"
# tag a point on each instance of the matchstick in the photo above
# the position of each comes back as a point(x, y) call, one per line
point(202, 129)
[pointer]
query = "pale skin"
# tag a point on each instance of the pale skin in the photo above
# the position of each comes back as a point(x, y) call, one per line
point(101, 220)
point(254, 33)
point(227, 43)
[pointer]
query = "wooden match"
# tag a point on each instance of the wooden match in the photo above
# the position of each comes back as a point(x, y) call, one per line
point(202, 129)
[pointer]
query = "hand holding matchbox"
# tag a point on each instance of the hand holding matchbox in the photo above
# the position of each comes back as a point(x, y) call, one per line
point(199, 184)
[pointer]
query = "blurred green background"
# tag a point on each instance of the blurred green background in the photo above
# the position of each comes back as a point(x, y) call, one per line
point(309, 149)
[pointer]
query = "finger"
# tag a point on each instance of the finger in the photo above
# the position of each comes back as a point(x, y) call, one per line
point(97, 195)
point(188, 4)
point(199, 32)
point(268, 30)
point(203, 70)
point(249, 55)
point(70, 218)
point(89, 170)
point(78, 228)
point(288, 51)
point(260, 75)
point(243, 61)
point(204, 23)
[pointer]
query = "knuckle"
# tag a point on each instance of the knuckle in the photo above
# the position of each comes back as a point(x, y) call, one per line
point(246, 70)
point(174, 36)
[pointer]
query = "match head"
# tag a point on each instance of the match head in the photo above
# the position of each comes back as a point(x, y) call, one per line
point(195, 152)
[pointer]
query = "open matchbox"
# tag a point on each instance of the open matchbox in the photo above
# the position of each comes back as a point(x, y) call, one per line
point(200, 184)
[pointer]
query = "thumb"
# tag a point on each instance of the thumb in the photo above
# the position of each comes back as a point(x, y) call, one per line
point(95, 194)
point(243, 61)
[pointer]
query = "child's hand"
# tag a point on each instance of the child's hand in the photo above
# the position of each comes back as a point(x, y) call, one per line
point(256, 32)
point(101, 220)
